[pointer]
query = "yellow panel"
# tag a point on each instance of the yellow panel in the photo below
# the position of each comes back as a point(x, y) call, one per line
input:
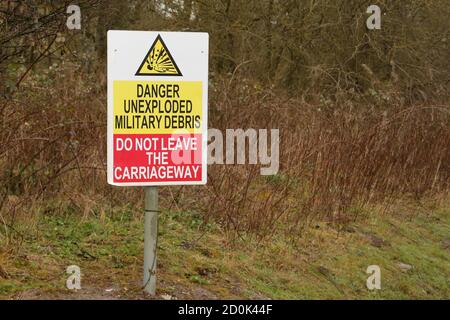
point(157, 106)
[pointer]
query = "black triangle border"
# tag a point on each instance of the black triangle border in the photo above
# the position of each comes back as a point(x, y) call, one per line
point(170, 56)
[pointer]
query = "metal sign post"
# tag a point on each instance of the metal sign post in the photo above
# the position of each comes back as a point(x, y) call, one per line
point(150, 239)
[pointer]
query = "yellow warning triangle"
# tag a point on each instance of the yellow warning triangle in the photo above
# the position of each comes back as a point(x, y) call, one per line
point(158, 61)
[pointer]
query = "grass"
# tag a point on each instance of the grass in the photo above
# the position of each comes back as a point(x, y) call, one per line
point(198, 261)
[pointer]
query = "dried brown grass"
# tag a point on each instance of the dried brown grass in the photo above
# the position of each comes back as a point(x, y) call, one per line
point(334, 157)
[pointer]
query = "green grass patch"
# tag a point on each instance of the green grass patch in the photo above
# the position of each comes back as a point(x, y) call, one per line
point(193, 256)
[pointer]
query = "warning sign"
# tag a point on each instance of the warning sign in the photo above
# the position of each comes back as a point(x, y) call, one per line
point(158, 61)
point(157, 125)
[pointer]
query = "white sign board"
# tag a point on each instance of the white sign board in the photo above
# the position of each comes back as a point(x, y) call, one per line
point(157, 108)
